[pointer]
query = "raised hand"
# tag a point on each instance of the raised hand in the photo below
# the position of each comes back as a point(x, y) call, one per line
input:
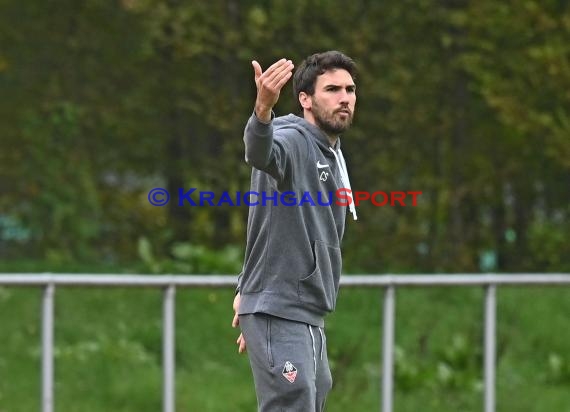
point(269, 84)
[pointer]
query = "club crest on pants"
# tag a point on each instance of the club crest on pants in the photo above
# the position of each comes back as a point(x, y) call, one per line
point(290, 372)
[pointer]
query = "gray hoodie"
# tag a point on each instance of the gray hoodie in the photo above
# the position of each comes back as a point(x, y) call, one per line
point(293, 260)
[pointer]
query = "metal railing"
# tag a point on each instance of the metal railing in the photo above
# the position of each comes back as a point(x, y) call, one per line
point(169, 283)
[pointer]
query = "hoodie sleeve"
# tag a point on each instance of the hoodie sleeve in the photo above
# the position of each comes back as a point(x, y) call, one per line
point(266, 150)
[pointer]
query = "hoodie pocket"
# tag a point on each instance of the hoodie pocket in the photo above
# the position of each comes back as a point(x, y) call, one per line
point(320, 288)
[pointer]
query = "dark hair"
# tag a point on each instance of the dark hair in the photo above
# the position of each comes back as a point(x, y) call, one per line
point(305, 76)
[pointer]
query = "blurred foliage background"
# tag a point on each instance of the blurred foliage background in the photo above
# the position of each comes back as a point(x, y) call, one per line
point(468, 102)
point(102, 101)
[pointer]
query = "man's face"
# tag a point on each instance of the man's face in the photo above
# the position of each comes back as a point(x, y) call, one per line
point(331, 107)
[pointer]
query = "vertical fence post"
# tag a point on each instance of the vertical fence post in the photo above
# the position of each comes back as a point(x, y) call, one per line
point(47, 348)
point(388, 349)
point(490, 346)
point(168, 339)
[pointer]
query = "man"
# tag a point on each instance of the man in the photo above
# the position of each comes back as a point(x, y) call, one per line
point(292, 263)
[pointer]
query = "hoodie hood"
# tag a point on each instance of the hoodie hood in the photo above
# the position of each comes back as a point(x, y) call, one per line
point(308, 129)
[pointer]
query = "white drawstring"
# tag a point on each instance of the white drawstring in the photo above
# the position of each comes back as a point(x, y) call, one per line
point(313, 342)
point(322, 342)
point(345, 180)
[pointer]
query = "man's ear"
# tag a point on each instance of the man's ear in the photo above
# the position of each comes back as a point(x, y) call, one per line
point(305, 100)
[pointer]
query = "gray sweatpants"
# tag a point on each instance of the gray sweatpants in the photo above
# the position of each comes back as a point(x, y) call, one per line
point(289, 363)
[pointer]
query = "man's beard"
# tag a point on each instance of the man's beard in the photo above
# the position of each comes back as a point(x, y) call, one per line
point(330, 123)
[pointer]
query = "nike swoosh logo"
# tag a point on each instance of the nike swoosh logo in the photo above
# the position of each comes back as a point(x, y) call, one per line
point(320, 166)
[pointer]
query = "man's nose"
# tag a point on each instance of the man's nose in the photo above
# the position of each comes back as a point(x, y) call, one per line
point(344, 97)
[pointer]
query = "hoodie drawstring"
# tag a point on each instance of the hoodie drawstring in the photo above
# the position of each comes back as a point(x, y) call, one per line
point(345, 180)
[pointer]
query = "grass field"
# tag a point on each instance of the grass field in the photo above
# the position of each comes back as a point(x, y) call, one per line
point(108, 351)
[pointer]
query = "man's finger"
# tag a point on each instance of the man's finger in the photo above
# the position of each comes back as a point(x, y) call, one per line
point(235, 321)
point(256, 69)
point(280, 80)
point(275, 68)
point(278, 75)
point(282, 66)
point(241, 343)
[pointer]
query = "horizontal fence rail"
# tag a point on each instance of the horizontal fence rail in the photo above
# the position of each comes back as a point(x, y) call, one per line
point(49, 282)
point(222, 281)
